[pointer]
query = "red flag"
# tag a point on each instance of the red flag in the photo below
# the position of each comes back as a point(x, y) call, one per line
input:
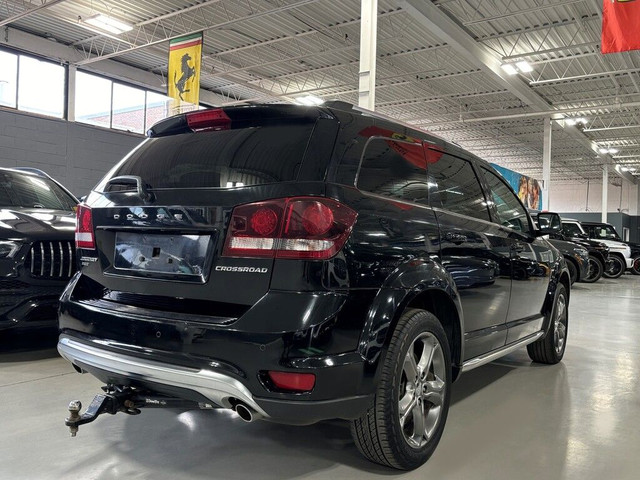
point(620, 26)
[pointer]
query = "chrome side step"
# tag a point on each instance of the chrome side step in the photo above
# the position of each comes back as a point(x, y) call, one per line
point(495, 354)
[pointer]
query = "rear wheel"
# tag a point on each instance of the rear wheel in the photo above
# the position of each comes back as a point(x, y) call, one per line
point(635, 266)
point(615, 267)
point(594, 271)
point(573, 270)
point(404, 425)
point(550, 349)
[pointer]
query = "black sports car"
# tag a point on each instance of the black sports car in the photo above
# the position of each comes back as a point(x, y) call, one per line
point(37, 251)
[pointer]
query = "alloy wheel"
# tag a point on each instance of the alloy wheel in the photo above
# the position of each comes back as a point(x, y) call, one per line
point(560, 324)
point(422, 390)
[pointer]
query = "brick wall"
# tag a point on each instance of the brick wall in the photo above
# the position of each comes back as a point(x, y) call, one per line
point(76, 155)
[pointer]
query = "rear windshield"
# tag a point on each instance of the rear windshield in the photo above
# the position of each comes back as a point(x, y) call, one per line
point(222, 159)
point(29, 191)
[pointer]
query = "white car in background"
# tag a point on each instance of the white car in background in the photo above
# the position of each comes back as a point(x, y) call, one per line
point(619, 252)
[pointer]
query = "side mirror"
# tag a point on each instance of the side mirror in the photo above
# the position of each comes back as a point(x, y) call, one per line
point(549, 224)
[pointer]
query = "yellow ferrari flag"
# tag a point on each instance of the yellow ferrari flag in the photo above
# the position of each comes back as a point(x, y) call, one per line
point(183, 79)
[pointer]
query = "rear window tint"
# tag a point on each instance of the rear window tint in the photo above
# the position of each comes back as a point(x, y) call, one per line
point(222, 159)
point(394, 169)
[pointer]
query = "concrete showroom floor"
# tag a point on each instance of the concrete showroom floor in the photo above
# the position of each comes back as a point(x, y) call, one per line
point(511, 419)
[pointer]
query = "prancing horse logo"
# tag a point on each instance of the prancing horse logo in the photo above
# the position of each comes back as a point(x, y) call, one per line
point(187, 73)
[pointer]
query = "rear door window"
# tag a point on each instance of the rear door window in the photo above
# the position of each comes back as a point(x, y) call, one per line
point(221, 159)
point(395, 169)
point(454, 186)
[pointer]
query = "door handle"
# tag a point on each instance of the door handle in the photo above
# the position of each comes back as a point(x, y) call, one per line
point(456, 238)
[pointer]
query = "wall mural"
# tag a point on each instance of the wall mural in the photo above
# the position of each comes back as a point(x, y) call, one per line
point(528, 189)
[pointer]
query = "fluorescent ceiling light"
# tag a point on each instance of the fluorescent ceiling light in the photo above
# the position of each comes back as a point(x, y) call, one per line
point(612, 151)
point(575, 121)
point(631, 169)
point(310, 100)
point(524, 67)
point(509, 68)
point(108, 24)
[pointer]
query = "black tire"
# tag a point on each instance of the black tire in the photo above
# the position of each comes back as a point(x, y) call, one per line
point(595, 270)
point(635, 266)
point(379, 433)
point(615, 268)
point(550, 348)
point(573, 270)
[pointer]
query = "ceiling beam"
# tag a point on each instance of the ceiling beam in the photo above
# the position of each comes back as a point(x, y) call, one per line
point(521, 11)
point(440, 24)
point(212, 26)
point(437, 21)
point(558, 113)
point(18, 16)
point(547, 51)
point(157, 19)
point(582, 77)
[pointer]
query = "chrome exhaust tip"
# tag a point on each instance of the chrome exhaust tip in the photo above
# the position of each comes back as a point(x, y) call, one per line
point(246, 413)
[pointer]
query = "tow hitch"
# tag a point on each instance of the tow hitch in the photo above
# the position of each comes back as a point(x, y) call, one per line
point(122, 399)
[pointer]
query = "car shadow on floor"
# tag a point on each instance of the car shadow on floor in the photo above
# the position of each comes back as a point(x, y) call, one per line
point(217, 444)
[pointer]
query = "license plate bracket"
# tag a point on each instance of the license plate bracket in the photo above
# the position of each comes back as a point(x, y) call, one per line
point(162, 254)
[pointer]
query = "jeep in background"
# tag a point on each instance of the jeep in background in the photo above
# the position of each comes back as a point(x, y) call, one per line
point(298, 264)
point(606, 231)
point(37, 250)
point(619, 252)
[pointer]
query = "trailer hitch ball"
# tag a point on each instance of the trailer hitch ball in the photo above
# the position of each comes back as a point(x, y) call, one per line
point(74, 415)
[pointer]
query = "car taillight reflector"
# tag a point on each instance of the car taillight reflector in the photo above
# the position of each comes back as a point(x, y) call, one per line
point(84, 228)
point(208, 120)
point(294, 382)
point(264, 221)
point(298, 227)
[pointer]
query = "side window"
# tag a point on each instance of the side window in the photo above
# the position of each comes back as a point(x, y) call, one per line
point(511, 213)
point(394, 169)
point(455, 187)
point(571, 229)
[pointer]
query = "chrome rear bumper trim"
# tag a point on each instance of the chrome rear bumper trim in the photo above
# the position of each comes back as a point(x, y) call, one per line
point(217, 387)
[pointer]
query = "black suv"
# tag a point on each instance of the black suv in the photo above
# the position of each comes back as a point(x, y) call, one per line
point(606, 231)
point(37, 251)
point(306, 263)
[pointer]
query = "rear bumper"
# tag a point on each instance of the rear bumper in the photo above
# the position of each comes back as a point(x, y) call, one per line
point(218, 388)
point(203, 385)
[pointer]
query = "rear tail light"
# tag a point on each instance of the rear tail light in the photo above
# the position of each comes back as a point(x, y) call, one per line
point(294, 382)
point(208, 120)
point(298, 227)
point(84, 228)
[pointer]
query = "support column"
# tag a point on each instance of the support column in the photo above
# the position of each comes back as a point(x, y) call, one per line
point(605, 192)
point(546, 163)
point(368, 47)
point(71, 93)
